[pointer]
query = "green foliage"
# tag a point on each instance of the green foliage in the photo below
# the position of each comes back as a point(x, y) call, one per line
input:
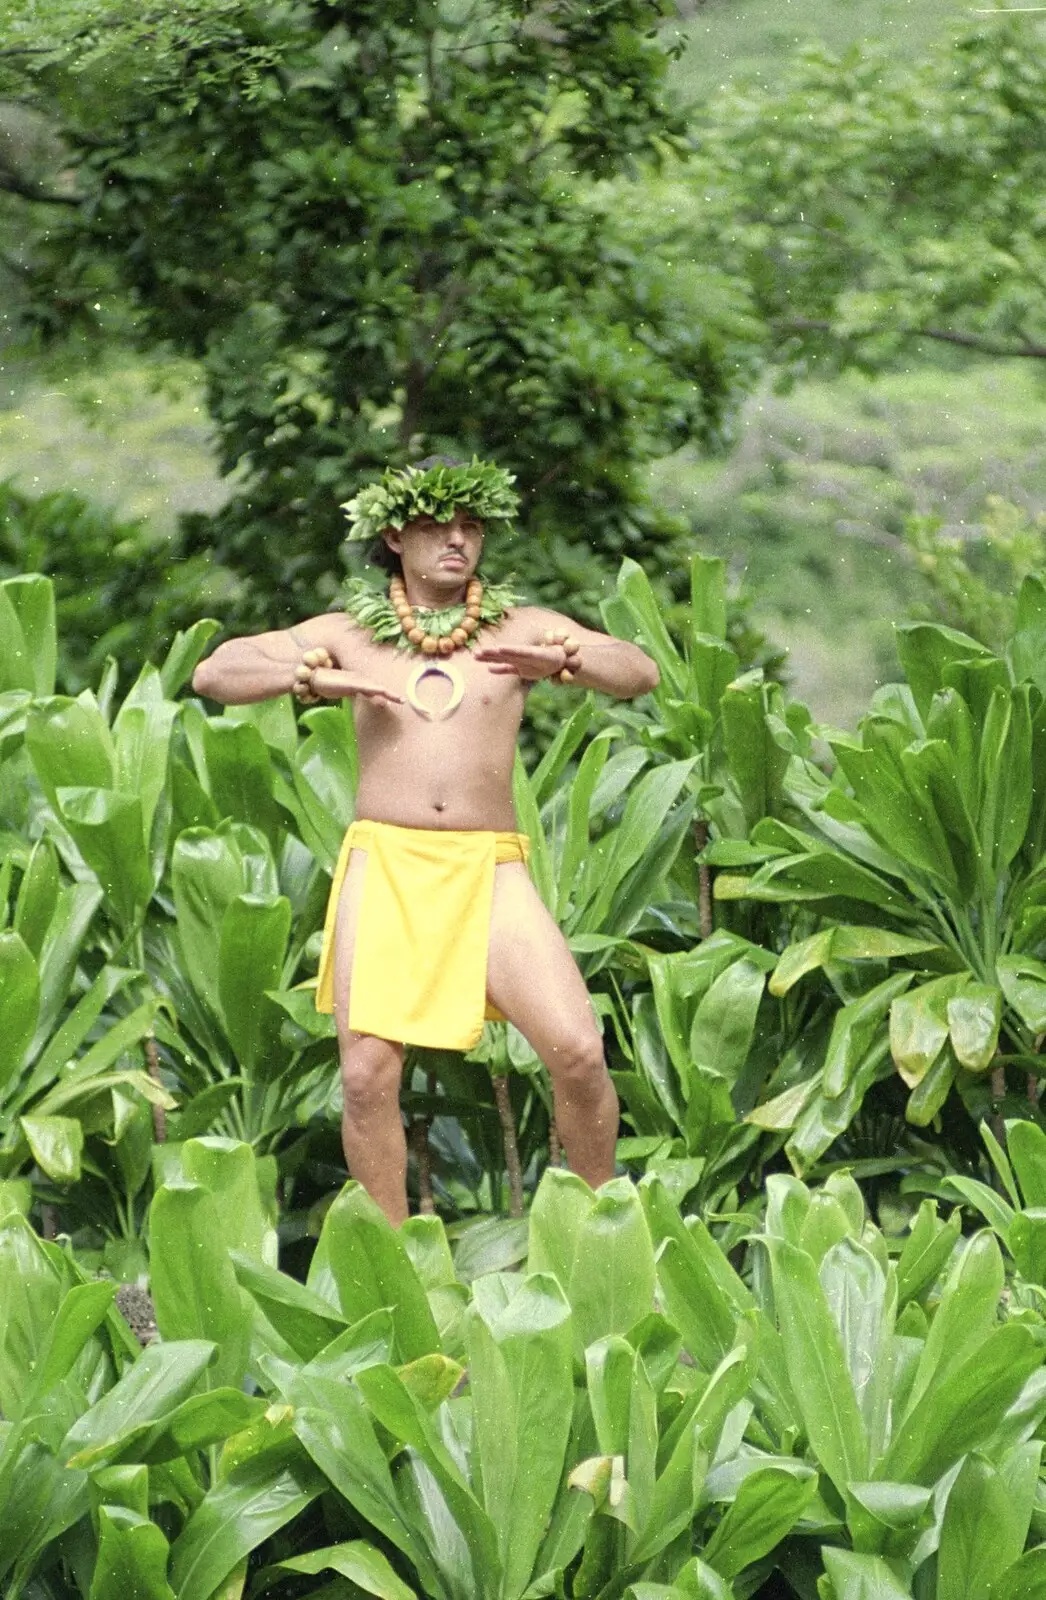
point(930, 834)
point(627, 1413)
point(346, 263)
point(118, 590)
point(871, 202)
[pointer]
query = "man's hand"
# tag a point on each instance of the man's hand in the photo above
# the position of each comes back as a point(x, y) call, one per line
point(558, 655)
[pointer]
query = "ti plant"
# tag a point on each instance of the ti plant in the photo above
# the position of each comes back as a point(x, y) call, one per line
point(916, 881)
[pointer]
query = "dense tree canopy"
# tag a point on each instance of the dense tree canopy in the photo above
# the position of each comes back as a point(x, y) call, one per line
point(871, 203)
point(376, 228)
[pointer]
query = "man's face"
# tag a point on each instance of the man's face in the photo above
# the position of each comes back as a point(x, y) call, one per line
point(443, 555)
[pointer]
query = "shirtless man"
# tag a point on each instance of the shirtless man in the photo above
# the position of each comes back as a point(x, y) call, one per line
point(450, 913)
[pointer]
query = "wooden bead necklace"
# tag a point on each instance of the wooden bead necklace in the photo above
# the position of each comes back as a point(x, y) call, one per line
point(428, 643)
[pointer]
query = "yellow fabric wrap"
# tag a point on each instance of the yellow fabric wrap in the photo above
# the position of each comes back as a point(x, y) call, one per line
point(419, 968)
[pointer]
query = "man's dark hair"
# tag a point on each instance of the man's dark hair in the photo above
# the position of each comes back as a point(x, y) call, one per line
point(379, 554)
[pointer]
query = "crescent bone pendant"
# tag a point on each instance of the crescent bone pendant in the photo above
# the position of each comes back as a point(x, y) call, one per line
point(441, 669)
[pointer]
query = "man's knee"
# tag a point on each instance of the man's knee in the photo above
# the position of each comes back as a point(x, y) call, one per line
point(578, 1065)
point(370, 1074)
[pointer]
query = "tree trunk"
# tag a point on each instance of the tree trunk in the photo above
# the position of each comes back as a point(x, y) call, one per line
point(508, 1134)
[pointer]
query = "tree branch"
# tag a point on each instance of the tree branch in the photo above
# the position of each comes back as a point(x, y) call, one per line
point(968, 341)
point(11, 183)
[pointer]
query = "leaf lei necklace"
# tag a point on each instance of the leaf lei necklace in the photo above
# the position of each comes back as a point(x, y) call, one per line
point(435, 633)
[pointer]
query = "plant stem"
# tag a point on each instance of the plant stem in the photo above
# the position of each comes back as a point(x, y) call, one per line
point(508, 1133)
point(706, 918)
point(152, 1061)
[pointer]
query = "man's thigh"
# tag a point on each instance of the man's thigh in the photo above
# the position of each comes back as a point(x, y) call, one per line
point(531, 975)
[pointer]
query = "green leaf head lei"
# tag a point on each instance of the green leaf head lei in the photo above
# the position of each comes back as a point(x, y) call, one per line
point(435, 490)
point(403, 493)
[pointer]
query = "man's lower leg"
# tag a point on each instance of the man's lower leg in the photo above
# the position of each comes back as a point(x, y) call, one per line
point(587, 1119)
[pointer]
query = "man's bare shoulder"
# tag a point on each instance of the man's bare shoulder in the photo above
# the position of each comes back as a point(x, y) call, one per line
point(530, 619)
point(536, 620)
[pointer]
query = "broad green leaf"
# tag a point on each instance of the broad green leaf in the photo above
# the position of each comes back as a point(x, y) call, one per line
point(807, 955)
point(229, 1170)
point(194, 1424)
point(926, 650)
point(37, 896)
point(1026, 1146)
point(239, 1513)
point(70, 746)
point(757, 761)
point(724, 1022)
point(648, 805)
point(708, 595)
point(397, 1411)
point(28, 640)
point(927, 1098)
point(992, 1207)
point(19, 1002)
point(966, 1314)
point(817, 1366)
point(31, 1291)
point(108, 828)
point(132, 1558)
point(77, 904)
point(986, 1522)
point(161, 1377)
point(577, 837)
point(360, 1265)
point(186, 651)
point(57, 1145)
point(553, 763)
point(306, 1322)
point(612, 1282)
point(875, 1511)
point(241, 775)
point(960, 1413)
point(1023, 981)
point(768, 1505)
point(634, 588)
point(862, 1577)
point(194, 1288)
point(861, 1302)
point(337, 1431)
point(142, 737)
point(926, 1252)
point(561, 1203)
point(1025, 1580)
point(251, 951)
point(358, 1561)
point(855, 1027)
point(207, 873)
point(521, 1383)
point(1027, 1243)
point(974, 1016)
point(919, 1026)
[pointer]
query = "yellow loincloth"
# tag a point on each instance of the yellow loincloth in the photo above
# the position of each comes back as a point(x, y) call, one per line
point(419, 968)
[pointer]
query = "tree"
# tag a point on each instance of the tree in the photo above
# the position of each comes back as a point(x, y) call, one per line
point(874, 206)
point(376, 226)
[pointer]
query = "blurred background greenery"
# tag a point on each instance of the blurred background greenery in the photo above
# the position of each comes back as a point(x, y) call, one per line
point(811, 464)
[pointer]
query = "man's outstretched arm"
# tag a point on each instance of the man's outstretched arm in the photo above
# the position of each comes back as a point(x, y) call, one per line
point(263, 665)
point(613, 666)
